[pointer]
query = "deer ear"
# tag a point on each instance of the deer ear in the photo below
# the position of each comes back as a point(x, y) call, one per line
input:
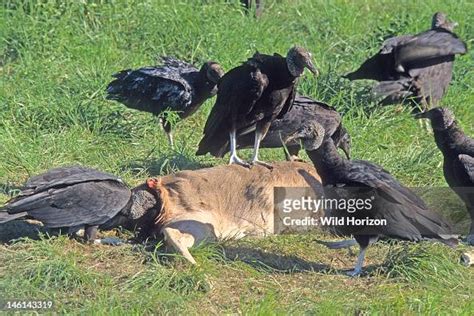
point(153, 183)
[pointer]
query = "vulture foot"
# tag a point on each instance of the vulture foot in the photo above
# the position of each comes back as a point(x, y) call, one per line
point(261, 163)
point(354, 273)
point(236, 160)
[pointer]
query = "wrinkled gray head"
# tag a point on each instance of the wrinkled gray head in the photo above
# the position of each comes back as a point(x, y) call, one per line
point(298, 59)
point(213, 71)
point(310, 135)
point(440, 20)
point(441, 118)
point(144, 199)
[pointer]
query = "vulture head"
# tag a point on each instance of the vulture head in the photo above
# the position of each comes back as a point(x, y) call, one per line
point(144, 203)
point(440, 20)
point(144, 199)
point(441, 118)
point(311, 136)
point(298, 59)
point(212, 71)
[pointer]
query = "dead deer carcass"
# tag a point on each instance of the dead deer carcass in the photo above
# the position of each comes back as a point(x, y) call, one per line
point(222, 202)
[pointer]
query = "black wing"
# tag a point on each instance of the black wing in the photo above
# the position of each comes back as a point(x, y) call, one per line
point(374, 175)
point(6, 217)
point(288, 104)
point(64, 176)
point(173, 62)
point(238, 91)
point(91, 203)
point(378, 67)
point(468, 164)
point(407, 215)
point(428, 45)
point(151, 90)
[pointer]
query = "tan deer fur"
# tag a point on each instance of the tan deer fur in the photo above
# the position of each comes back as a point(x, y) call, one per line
point(223, 202)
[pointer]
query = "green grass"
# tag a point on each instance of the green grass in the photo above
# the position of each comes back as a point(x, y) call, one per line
point(56, 59)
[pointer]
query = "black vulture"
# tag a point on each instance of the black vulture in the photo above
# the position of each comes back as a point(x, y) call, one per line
point(414, 67)
point(250, 97)
point(75, 197)
point(305, 111)
point(458, 153)
point(381, 206)
point(175, 86)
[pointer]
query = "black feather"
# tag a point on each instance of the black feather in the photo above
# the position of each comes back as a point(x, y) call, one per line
point(420, 66)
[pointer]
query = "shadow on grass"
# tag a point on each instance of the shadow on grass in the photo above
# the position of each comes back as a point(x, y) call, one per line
point(21, 229)
point(165, 165)
point(277, 263)
point(264, 260)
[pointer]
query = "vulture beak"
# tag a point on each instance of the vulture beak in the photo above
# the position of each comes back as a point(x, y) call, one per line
point(312, 68)
point(295, 136)
point(347, 152)
point(422, 115)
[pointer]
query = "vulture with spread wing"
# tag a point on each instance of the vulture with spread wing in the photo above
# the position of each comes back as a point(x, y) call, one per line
point(249, 98)
point(458, 153)
point(414, 67)
point(175, 86)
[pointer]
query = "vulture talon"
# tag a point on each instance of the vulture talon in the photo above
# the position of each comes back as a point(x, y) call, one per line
point(354, 273)
point(236, 160)
point(261, 163)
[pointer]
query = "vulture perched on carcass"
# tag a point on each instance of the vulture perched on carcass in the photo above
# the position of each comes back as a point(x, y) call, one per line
point(305, 111)
point(74, 197)
point(383, 206)
point(249, 98)
point(175, 86)
point(414, 67)
point(458, 153)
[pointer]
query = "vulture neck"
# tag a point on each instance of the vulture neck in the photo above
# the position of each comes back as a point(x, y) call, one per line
point(326, 159)
point(448, 138)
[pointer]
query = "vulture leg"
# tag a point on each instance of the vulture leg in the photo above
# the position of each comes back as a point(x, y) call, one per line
point(233, 150)
point(259, 135)
point(167, 128)
point(470, 237)
point(360, 263)
point(364, 242)
point(259, 6)
point(90, 232)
